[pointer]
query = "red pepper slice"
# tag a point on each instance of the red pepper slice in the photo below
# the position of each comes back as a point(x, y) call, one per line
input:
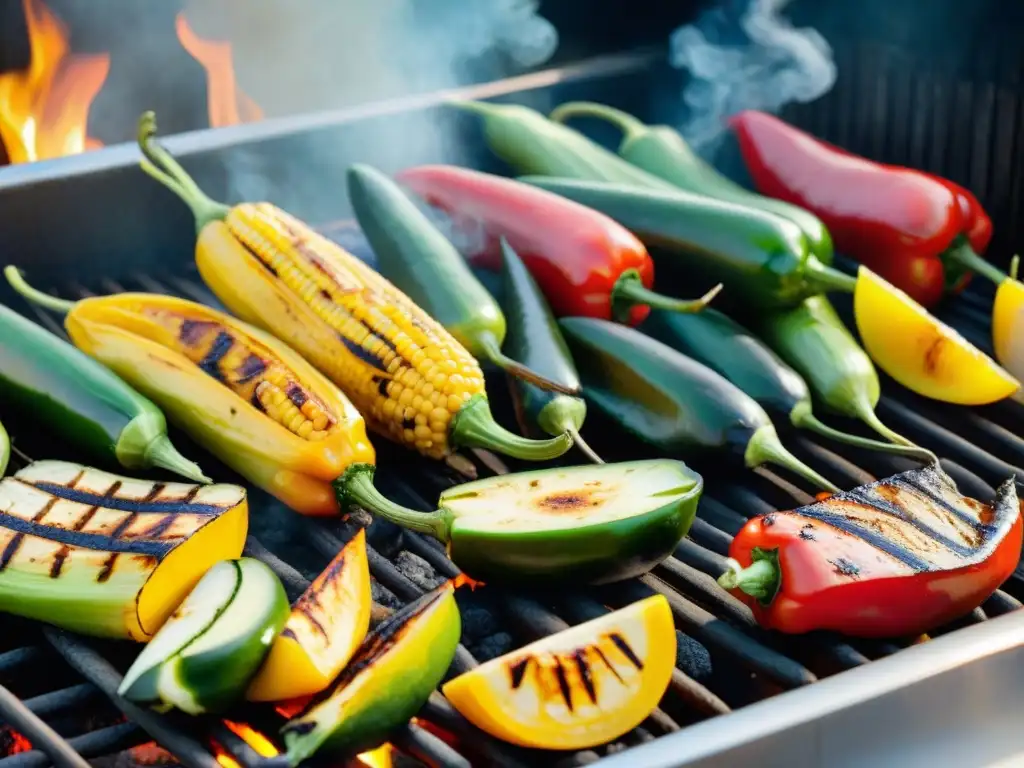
point(587, 264)
point(906, 225)
point(897, 557)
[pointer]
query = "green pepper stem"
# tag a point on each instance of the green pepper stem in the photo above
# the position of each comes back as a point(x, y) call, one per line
point(164, 168)
point(1014, 265)
point(802, 418)
point(629, 291)
point(962, 254)
point(474, 426)
point(488, 344)
point(18, 283)
point(630, 126)
point(761, 579)
point(162, 453)
point(765, 448)
point(356, 487)
point(862, 409)
point(580, 443)
point(824, 279)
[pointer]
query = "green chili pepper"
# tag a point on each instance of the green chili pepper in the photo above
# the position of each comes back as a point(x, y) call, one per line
point(813, 340)
point(81, 400)
point(534, 338)
point(582, 525)
point(731, 350)
point(762, 259)
point(5, 450)
point(662, 152)
point(414, 255)
point(672, 402)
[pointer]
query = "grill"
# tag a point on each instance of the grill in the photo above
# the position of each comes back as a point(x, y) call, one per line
point(95, 224)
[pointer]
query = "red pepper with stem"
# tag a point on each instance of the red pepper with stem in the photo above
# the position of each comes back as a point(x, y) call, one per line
point(898, 557)
point(587, 264)
point(917, 231)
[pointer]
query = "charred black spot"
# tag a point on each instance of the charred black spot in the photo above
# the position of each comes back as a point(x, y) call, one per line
point(192, 331)
point(233, 410)
point(806, 534)
point(254, 401)
point(565, 502)
point(250, 368)
point(768, 520)
point(517, 671)
point(296, 395)
point(534, 483)
point(363, 354)
point(210, 364)
point(408, 423)
point(607, 663)
point(326, 294)
point(845, 567)
point(382, 385)
point(563, 683)
point(627, 651)
point(108, 568)
point(584, 669)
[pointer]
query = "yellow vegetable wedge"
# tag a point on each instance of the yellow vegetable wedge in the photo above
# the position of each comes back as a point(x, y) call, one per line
point(580, 688)
point(1008, 326)
point(922, 353)
point(325, 628)
point(107, 555)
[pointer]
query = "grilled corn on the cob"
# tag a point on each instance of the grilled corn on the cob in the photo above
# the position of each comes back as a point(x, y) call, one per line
point(409, 377)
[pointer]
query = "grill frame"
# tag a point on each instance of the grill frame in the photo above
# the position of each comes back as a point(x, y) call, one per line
point(703, 611)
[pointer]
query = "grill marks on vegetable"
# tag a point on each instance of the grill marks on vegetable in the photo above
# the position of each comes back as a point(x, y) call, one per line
point(917, 518)
point(251, 373)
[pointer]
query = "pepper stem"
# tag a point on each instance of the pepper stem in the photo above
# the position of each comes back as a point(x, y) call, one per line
point(631, 127)
point(580, 443)
point(164, 168)
point(765, 448)
point(474, 426)
point(14, 277)
point(824, 279)
point(356, 487)
point(492, 351)
point(762, 579)
point(802, 418)
point(162, 453)
point(862, 410)
point(629, 291)
point(961, 254)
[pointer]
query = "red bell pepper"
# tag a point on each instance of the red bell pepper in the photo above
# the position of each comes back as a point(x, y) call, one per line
point(906, 225)
point(586, 264)
point(897, 557)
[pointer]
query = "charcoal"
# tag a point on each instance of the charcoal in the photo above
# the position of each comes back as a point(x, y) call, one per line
point(418, 570)
point(692, 657)
point(493, 646)
point(384, 537)
point(384, 596)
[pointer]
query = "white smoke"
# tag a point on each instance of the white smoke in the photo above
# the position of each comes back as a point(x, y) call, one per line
point(755, 59)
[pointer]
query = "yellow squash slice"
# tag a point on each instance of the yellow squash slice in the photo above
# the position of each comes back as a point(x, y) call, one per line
point(922, 353)
point(326, 626)
point(1008, 328)
point(580, 688)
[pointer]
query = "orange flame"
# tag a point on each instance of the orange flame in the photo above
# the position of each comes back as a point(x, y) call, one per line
point(260, 744)
point(44, 109)
point(227, 104)
point(462, 580)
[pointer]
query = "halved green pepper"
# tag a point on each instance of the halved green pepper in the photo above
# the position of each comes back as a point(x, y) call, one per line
point(590, 524)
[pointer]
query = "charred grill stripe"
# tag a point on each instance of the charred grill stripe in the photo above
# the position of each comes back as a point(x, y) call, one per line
point(95, 541)
point(867, 535)
point(58, 561)
point(210, 364)
point(517, 671)
point(607, 663)
point(250, 368)
point(191, 332)
point(108, 568)
point(627, 651)
point(316, 624)
point(192, 493)
point(160, 527)
point(123, 526)
point(76, 479)
point(296, 395)
point(83, 521)
point(382, 385)
point(112, 490)
point(363, 354)
point(563, 683)
point(15, 543)
point(155, 491)
point(126, 505)
point(584, 669)
point(911, 483)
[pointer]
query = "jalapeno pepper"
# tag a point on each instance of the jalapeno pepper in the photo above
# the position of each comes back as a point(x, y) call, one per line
point(587, 264)
point(901, 223)
point(897, 557)
point(762, 259)
point(80, 400)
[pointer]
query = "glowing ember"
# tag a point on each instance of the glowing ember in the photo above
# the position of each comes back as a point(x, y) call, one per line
point(462, 580)
point(152, 753)
point(227, 104)
point(261, 745)
point(12, 742)
point(44, 109)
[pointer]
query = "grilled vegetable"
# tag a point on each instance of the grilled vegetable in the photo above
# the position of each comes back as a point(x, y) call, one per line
point(763, 260)
point(5, 450)
point(534, 338)
point(204, 656)
point(586, 524)
point(897, 557)
point(580, 688)
point(813, 340)
point(245, 396)
point(418, 260)
point(81, 401)
point(391, 676)
point(326, 626)
point(922, 353)
point(408, 376)
point(672, 402)
point(662, 152)
point(587, 264)
point(107, 555)
point(729, 349)
point(1008, 325)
